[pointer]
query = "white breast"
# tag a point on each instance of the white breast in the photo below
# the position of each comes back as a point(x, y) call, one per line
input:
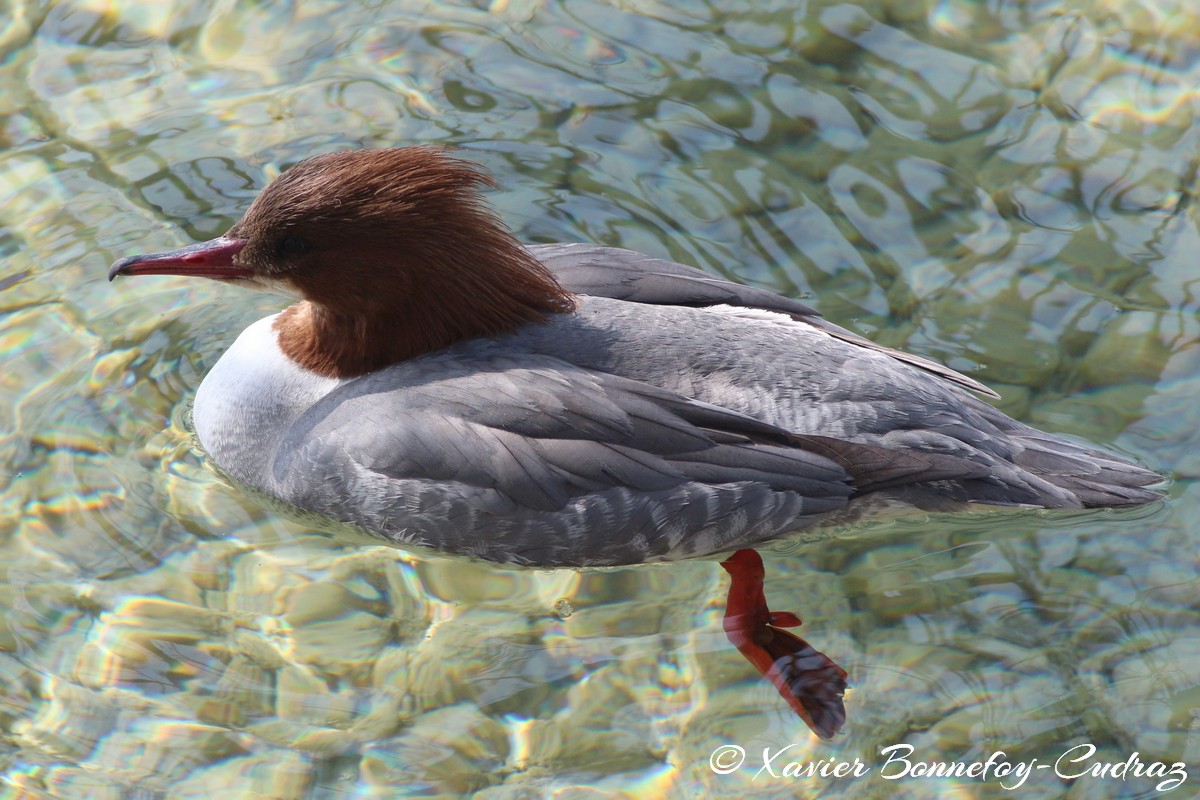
point(248, 401)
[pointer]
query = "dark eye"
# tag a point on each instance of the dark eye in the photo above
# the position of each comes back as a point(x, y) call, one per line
point(293, 245)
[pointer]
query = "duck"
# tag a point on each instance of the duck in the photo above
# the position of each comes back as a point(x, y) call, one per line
point(439, 384)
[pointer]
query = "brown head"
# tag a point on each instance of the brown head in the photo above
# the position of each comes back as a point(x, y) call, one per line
point(393, 251)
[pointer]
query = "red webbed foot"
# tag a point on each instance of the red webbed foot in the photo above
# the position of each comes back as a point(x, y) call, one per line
point(810, 682)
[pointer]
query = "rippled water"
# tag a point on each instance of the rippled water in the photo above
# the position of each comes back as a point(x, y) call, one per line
point(1006, 187)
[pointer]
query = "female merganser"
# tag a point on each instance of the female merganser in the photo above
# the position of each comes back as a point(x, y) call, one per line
point(440, 384)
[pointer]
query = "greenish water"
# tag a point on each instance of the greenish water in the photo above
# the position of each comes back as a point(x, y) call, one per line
point(1005, 187)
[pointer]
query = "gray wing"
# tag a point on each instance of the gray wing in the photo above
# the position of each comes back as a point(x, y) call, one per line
point(638, 278)
point(531, 459)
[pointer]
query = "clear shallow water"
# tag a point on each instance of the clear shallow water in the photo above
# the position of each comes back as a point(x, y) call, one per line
point(1004, 187)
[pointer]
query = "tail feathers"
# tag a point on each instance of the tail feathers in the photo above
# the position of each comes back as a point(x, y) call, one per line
point(1040, 470)
point(1097, 479)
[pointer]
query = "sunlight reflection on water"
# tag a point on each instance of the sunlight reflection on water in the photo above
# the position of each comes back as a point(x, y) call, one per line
point(1005, 187)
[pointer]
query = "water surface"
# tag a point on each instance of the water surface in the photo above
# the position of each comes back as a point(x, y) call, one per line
point(1005, 187)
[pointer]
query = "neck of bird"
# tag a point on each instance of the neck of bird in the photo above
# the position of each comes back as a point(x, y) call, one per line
point(351, 333)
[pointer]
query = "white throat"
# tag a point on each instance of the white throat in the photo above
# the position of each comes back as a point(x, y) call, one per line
point(249, 400)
